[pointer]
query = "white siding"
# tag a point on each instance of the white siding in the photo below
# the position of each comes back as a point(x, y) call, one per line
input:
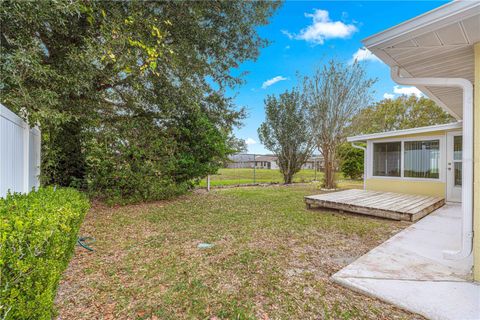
point(274, 165)
point(19, 154)
point(34, 158)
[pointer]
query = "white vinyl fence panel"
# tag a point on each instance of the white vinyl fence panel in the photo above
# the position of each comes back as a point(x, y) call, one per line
point(19, 154)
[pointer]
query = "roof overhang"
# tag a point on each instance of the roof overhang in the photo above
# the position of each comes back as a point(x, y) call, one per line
point(405, 132)
point(439, 44)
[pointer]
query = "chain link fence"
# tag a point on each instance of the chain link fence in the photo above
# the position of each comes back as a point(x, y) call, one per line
point(252, 169)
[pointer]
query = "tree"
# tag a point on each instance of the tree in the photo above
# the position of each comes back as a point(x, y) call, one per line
point(98, 75)
point(404, 112)
point(286, 132)
point(351, 161)
point(335, 93)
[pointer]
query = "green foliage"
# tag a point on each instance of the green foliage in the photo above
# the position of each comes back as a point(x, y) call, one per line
point(107, 79)
point(351, 161)
point(335, 93)
point(38, 234)
point(286, 132)
point(404, 112)
point(144, 165)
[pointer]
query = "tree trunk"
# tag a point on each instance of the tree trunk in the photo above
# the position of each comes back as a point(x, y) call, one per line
point(287, 178)
point(329, 170)
point(287, 175)
point(330, 175)
point(65, 161)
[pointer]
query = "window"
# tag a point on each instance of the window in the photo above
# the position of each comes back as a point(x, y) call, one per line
point(387, 159)
point(457, 159)
point(422, 159)
point(418, 159)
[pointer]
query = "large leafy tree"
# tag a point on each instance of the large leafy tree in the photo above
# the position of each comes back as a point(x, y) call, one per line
point(335, 93)
point(286, 132)
point(403, 112)
point(105, 75)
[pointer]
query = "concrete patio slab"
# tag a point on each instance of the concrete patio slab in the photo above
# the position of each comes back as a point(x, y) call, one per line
point(409, 270)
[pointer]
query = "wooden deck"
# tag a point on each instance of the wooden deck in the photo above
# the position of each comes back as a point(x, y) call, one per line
point(397, 206)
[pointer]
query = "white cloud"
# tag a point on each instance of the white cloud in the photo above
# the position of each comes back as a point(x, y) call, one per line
point(388, 96)
point(250, 141)
point(322, 28)
point(363, 54)
point(407, 91)
point(288, 34)
point(272, 81)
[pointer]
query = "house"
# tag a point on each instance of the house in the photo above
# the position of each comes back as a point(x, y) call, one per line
point(268, 162)
point(439, 53)
point(426, 161)
point(433, 266)
point(314, 162)
point(240, 160)
point(271, 162)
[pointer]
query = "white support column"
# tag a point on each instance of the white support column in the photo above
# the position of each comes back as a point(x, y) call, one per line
point(467, 153)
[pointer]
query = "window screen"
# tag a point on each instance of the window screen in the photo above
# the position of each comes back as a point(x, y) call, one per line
point(422, 159)
point(387, 159)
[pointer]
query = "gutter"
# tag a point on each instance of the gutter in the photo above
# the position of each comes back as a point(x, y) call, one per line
point(364, 162)
point(467, 153)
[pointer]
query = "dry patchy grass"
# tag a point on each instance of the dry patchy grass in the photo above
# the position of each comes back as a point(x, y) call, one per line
point(272, 259)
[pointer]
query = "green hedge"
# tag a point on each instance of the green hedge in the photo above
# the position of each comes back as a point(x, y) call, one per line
point(37, 238)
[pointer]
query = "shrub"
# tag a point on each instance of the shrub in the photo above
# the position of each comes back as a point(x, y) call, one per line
point(135, 164)
point(37, 238)
point(351, 161)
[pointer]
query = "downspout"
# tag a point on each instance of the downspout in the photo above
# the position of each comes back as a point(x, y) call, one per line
point(467, 154)
point(364, 162)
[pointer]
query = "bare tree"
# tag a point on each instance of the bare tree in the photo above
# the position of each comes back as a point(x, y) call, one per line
point(286, 132)
point(334, 94)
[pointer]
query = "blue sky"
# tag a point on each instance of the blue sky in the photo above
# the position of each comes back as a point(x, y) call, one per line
point(304, 35)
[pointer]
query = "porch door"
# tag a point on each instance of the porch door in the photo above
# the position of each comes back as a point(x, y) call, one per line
point(454, 166)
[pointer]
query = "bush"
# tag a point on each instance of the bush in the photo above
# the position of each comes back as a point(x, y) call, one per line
point(351, 161)
point(37, 239)
point(135, 164)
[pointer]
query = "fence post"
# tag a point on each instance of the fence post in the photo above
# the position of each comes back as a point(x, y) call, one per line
point(254, 167)
point(208, 183)
point(38, 148)
point(26, 158)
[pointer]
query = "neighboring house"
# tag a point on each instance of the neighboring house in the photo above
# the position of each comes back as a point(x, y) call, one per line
point(268, 162)
point(238, 161)
point(314, 162)
point(439, 53)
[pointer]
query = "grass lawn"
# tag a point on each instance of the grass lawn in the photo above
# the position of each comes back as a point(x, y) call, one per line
point(271, 259)
point(229, 177)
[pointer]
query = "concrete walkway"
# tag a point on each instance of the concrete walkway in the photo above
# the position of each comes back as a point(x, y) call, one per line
point(409, 270)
